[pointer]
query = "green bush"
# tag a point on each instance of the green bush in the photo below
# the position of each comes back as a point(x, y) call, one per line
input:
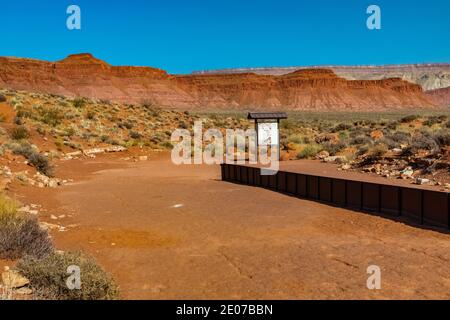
point(20, 133)
point(48, 277)
point(21, 235)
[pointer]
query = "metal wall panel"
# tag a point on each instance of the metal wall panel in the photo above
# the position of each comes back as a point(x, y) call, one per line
point(281, 177)
point(371, 197)
point(312, 183)
point(339, 194)
point(291, 181)
point(390, 200)
point(435, 208)
point(354, 193)
point(301, 185)
point(325, 190)
point(422, 206)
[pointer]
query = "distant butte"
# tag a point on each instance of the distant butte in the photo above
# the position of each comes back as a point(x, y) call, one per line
point(315, 89)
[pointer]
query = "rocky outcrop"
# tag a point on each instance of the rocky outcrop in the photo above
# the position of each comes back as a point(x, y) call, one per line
point(440, 96)
point(428, 76)
point(306, 89)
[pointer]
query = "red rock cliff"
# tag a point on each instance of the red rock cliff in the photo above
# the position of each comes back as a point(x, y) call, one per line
point(308, 89)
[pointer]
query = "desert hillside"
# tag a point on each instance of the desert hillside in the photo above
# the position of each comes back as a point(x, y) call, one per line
point(317, 89)
point(429, 76)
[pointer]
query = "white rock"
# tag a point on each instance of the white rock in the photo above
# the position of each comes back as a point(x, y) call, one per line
point(422, 181)
point(13, 279)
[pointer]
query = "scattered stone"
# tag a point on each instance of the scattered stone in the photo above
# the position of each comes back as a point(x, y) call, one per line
point(53, 217)
point(13, 279)
point(23, 291)
point(422, 181)
point(337, 159)
point(143, 158)
point(322, 155)
point(48, 226)
point(346, 166)
point(407, 173)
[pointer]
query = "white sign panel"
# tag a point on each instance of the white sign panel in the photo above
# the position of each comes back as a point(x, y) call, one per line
point(268, 134)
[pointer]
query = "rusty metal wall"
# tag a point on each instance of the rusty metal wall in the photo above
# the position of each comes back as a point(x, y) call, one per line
point(419, 206)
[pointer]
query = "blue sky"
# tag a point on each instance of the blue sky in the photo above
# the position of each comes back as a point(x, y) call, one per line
point(183, 36)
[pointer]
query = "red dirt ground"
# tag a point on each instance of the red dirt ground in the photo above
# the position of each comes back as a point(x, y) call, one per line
point(229, 241)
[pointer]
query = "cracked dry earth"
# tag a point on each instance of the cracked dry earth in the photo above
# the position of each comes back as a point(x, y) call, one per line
point(178, 232)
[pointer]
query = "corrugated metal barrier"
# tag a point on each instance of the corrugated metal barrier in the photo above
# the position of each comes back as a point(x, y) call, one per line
point(426, 207)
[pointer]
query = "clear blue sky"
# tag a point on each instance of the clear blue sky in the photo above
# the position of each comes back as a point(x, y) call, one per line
point(181, 36)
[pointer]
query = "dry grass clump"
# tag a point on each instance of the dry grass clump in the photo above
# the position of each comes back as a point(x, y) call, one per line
point(20, 235)
point(48, 277)
point(37, 160)
point(20, 133)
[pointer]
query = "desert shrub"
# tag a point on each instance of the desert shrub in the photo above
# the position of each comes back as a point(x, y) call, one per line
point(167, 145)
point(39, 161)
point(51, 116)
point(309, 151)
point(341, 127)
point(79, 103)
point(22, 113)
point(20, 235)
point(409, 118)
point(125, 125)
point(2, 98)
point(48, 276)
point(358, 140)
point(295, 138)
point(421, 142)
point(442, 138)
point(182, 125)
point(105, 138)
point(90, 115)
point(399, 136)
point(432, 121)
point(393, 125)
point(378, 150)
point(135, 135)
point(287, 124)
point(334, 148)
point(18, 121)
point(20, 133)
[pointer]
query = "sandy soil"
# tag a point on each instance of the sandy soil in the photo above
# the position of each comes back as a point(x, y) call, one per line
point(168, 231)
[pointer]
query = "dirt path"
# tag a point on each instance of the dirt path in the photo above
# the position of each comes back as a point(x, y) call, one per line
point(179, 232)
